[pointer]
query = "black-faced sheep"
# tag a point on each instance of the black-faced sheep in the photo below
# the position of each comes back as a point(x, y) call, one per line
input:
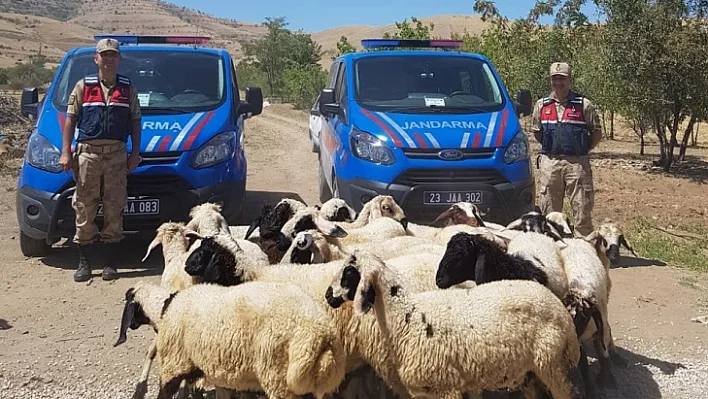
point(260, 336)
point(449, 342)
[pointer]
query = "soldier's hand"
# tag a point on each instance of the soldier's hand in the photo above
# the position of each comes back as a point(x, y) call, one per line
point(133, 161)
point(65, 161)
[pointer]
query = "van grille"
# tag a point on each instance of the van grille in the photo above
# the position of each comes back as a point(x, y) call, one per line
point(432, 153)
point(415, 177)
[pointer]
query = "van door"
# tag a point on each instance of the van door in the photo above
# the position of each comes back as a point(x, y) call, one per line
point(332, 126)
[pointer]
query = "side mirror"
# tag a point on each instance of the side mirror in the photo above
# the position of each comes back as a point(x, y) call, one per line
point(254, 101)
point(327, 102)
point(29, 103)
point(523, 102)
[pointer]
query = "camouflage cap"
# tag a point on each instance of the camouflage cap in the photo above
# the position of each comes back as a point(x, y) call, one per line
point(107, 45)
point(560, 68)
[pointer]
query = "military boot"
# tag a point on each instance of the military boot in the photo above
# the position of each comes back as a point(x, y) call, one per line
point(83, 273)
point(110, 252)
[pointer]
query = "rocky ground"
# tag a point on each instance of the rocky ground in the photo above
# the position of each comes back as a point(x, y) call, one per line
point(56, 336)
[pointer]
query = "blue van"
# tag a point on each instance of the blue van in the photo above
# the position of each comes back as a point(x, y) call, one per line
point(191, 147)
point(427, 126)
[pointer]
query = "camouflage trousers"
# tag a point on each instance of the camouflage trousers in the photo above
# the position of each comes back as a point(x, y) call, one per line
point(572, 176)
point(100, 172)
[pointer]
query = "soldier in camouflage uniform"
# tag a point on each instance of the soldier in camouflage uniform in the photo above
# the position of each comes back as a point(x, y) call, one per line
point(568, 128)
point(105, 109)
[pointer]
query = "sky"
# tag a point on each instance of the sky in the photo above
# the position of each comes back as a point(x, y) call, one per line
point(317, 15)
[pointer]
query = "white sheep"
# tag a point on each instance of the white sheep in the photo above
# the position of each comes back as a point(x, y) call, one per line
point(337, 210)
point(449, 342)
point(378, 207)
point(174, 238)
point(362, 339)
point(614, 238)
point(261, 336)
point(589, 287)
point(464, 213)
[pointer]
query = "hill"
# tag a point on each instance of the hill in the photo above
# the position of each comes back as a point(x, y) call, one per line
point(58, 25)
point(444, 26)
point(54, 26)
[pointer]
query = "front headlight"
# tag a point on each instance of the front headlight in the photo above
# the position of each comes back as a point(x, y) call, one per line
point(42, 154)
point(218, 149)
point(518, 148)
point(370, 148)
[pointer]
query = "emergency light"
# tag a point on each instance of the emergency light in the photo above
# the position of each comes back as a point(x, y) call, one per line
point(154, 39)
point(418, 43)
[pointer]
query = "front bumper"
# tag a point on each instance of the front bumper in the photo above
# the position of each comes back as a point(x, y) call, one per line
point(502, 202)
point(49, 216)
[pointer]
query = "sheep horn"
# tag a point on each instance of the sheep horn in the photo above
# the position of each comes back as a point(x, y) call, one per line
point(152, 246)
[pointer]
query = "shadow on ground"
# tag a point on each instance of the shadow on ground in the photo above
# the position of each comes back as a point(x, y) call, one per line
point(4, 325)
point(631, 261)
point(693, 168)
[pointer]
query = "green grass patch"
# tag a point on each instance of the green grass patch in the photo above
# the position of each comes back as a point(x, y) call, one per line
point(684, 252)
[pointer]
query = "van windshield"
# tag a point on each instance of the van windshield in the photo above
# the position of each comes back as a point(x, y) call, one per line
point(424, 83)
point(167, 82)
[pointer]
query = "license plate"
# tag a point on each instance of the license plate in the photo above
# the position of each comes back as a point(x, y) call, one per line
point(451, 197)
point(138, 207)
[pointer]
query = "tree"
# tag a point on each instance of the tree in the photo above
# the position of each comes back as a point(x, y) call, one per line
point(344, 47)
point(270, 52)
point(407, 31)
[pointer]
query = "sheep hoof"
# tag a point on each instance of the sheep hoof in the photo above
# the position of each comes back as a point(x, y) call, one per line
point(141, 389)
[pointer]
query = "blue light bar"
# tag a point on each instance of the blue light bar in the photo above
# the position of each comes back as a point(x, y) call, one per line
point(420, 43)
point(154, 39)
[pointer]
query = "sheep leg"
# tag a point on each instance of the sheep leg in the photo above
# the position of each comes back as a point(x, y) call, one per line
point(141, 386)
point(605, 379)
point(616, 358)
point(584, 367)
point(222, 393)
point(168, 390)
point(554, 378)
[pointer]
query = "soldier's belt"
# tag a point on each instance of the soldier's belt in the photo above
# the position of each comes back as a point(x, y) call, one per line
point(99, 149)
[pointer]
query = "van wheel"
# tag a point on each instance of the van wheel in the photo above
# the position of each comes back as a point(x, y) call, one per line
point(32, 247)
point(325, 193)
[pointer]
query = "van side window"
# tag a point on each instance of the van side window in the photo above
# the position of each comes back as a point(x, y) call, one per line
point(340, 88)
point(332, 74)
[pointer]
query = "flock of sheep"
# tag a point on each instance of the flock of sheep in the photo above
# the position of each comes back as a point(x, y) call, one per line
point(317, 301)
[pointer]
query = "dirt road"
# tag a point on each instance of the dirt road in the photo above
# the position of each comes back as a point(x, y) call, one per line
point(56, 336)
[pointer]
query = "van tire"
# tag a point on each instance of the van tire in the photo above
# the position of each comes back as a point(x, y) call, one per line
point(32, 247)
point(325, 192)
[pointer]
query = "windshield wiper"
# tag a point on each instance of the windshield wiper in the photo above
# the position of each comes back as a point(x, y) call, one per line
point(164, 110)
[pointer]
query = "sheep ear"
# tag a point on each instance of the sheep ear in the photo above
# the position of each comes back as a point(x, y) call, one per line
point(329, 228)
point(365, 295)
point(514, 225)
point(624, 243)
point(127, 319)
point(155, 242)
point(447, 214)
point(212, 272)
point(193, 224)
point(254, 224)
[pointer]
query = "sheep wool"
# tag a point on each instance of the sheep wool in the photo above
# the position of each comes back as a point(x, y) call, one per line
point(500, 331)
point(543, 251)
point(260, 336)
point(378, 207)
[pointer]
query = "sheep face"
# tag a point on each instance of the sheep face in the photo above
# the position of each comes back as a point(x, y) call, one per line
point(310, 219)
point(383, 206)
point(212, 262)
point(133, 316)
point(168, 233)
point(207, 217)
point(337, 210)
point(355, 282)
point(273, 218)
point(535, 222)
point(459, 262)
point(305, 250)
point(613, 238)
point(460, 213)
